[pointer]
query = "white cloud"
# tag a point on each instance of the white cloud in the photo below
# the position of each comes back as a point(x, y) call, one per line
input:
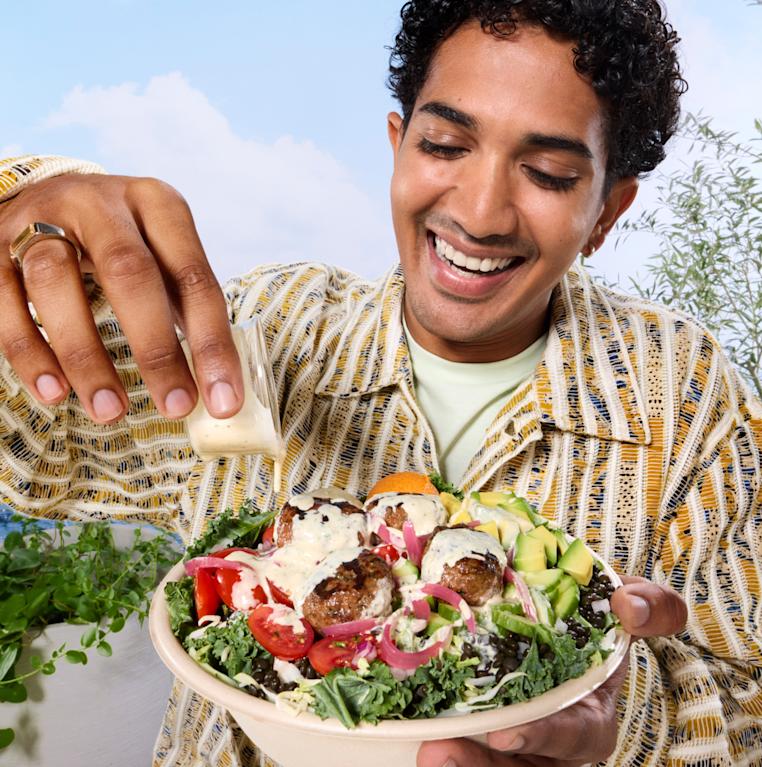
point(253, 202)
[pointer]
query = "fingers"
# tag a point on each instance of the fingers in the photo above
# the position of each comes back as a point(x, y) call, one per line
point(463, 753)
point(647, 609)
point(111, 217)
point(22, 343)
point(54, 286)
point(198, 302)
point(133, 283)
point(585, 732)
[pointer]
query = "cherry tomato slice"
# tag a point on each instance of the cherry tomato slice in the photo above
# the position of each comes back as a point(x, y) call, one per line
point(273, 628)
point(224, 580)
point(267, 536)
point(205, 596)
point(222, 553)
point(327, 654)
point(279, 595)
point(387, 552)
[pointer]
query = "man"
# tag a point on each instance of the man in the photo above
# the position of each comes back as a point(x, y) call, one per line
point(524, 127)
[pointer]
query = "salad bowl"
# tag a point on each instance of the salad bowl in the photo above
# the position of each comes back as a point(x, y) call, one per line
point(292, 739)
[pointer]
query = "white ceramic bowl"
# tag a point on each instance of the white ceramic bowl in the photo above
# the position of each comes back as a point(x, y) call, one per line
point(293, 741)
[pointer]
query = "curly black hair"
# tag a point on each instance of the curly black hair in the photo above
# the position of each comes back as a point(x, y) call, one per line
point(625, 48)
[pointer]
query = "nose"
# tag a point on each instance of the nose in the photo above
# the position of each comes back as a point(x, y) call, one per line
point(484, 200)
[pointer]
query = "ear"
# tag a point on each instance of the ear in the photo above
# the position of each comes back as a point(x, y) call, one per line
point(619, 199)
point(395, 130)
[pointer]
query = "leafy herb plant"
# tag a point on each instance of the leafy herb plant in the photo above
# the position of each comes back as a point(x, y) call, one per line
point(708, 225)
point(49, 576)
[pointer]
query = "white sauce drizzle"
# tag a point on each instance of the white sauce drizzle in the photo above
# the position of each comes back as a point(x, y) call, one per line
point(449, 546)
point(282, 615)
point(425, 511)
point(328, 528)
point(327, 567)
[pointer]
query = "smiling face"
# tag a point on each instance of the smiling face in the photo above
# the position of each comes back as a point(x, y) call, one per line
point(498, 184)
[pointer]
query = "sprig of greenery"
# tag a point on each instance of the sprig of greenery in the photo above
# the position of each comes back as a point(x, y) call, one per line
point(46, 578)
point(244, 527)
point(445, 487)
point(708, 225)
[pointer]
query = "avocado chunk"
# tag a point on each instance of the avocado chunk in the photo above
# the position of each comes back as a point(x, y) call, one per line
point(566, 582)
point(566, 602)
point(549, 540)
point(577, 562)
point(450, 502)
point(491, 505)
point(547, 580)
point(522, 508)
point(510, 622)
point(529, 554)
point(436, 621)
point(561, 539)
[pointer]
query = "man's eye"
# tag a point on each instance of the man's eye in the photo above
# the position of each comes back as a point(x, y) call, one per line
point(440, 150)
point(557, 183)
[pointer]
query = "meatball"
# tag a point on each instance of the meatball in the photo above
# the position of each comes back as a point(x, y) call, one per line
point(348, 589)
point(424, 510)
point(321, 517)
point(467, 561)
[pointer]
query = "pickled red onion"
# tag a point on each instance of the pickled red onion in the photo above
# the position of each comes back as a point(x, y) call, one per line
point(452, 598)
point(523, 591)
point(367, 650)
point(412, 544)
point(393, 656)
point(421, 609)
point(387, 536)
point(350, 628)
point(192, 566)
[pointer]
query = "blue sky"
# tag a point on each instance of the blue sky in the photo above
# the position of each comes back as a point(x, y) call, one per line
point(271, 119)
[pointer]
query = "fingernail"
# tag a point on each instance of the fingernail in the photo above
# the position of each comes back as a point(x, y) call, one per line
point(106, 405)
point(49, 387)
point(178, 403)
point(640, 610)
point(450, 763)
point(223, 397)
point(509, 742)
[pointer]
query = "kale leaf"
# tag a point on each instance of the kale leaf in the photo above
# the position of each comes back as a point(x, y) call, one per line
point(243, 529)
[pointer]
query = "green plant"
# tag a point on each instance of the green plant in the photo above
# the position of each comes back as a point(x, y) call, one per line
point(47, 578)
point(708, 225)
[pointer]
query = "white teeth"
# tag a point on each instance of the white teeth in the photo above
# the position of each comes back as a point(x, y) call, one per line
point(447, 253)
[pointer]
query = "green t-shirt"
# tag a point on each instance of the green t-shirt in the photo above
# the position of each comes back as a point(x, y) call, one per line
point(461, 399)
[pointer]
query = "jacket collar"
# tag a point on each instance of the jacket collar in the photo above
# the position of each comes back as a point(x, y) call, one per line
point(370, 352)
point(586, 382)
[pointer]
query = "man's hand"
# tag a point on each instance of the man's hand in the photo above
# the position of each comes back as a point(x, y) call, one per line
point(585, 732)
point(139, 241)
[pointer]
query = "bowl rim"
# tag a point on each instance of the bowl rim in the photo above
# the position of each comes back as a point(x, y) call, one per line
point(242, 705)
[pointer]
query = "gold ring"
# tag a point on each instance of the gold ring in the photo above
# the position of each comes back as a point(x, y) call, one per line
point(34, 233)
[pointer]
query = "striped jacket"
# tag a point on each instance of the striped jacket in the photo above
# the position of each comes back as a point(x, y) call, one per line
point(634, 433)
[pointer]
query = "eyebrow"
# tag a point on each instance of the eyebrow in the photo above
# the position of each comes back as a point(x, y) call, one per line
point(538, 140)
point(564, 143)
point(438, 109)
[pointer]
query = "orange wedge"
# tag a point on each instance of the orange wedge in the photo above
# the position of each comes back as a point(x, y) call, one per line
point(404, 482)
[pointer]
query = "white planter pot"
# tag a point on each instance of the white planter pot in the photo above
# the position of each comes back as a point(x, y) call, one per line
point(103, 714)
point(106, 713)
